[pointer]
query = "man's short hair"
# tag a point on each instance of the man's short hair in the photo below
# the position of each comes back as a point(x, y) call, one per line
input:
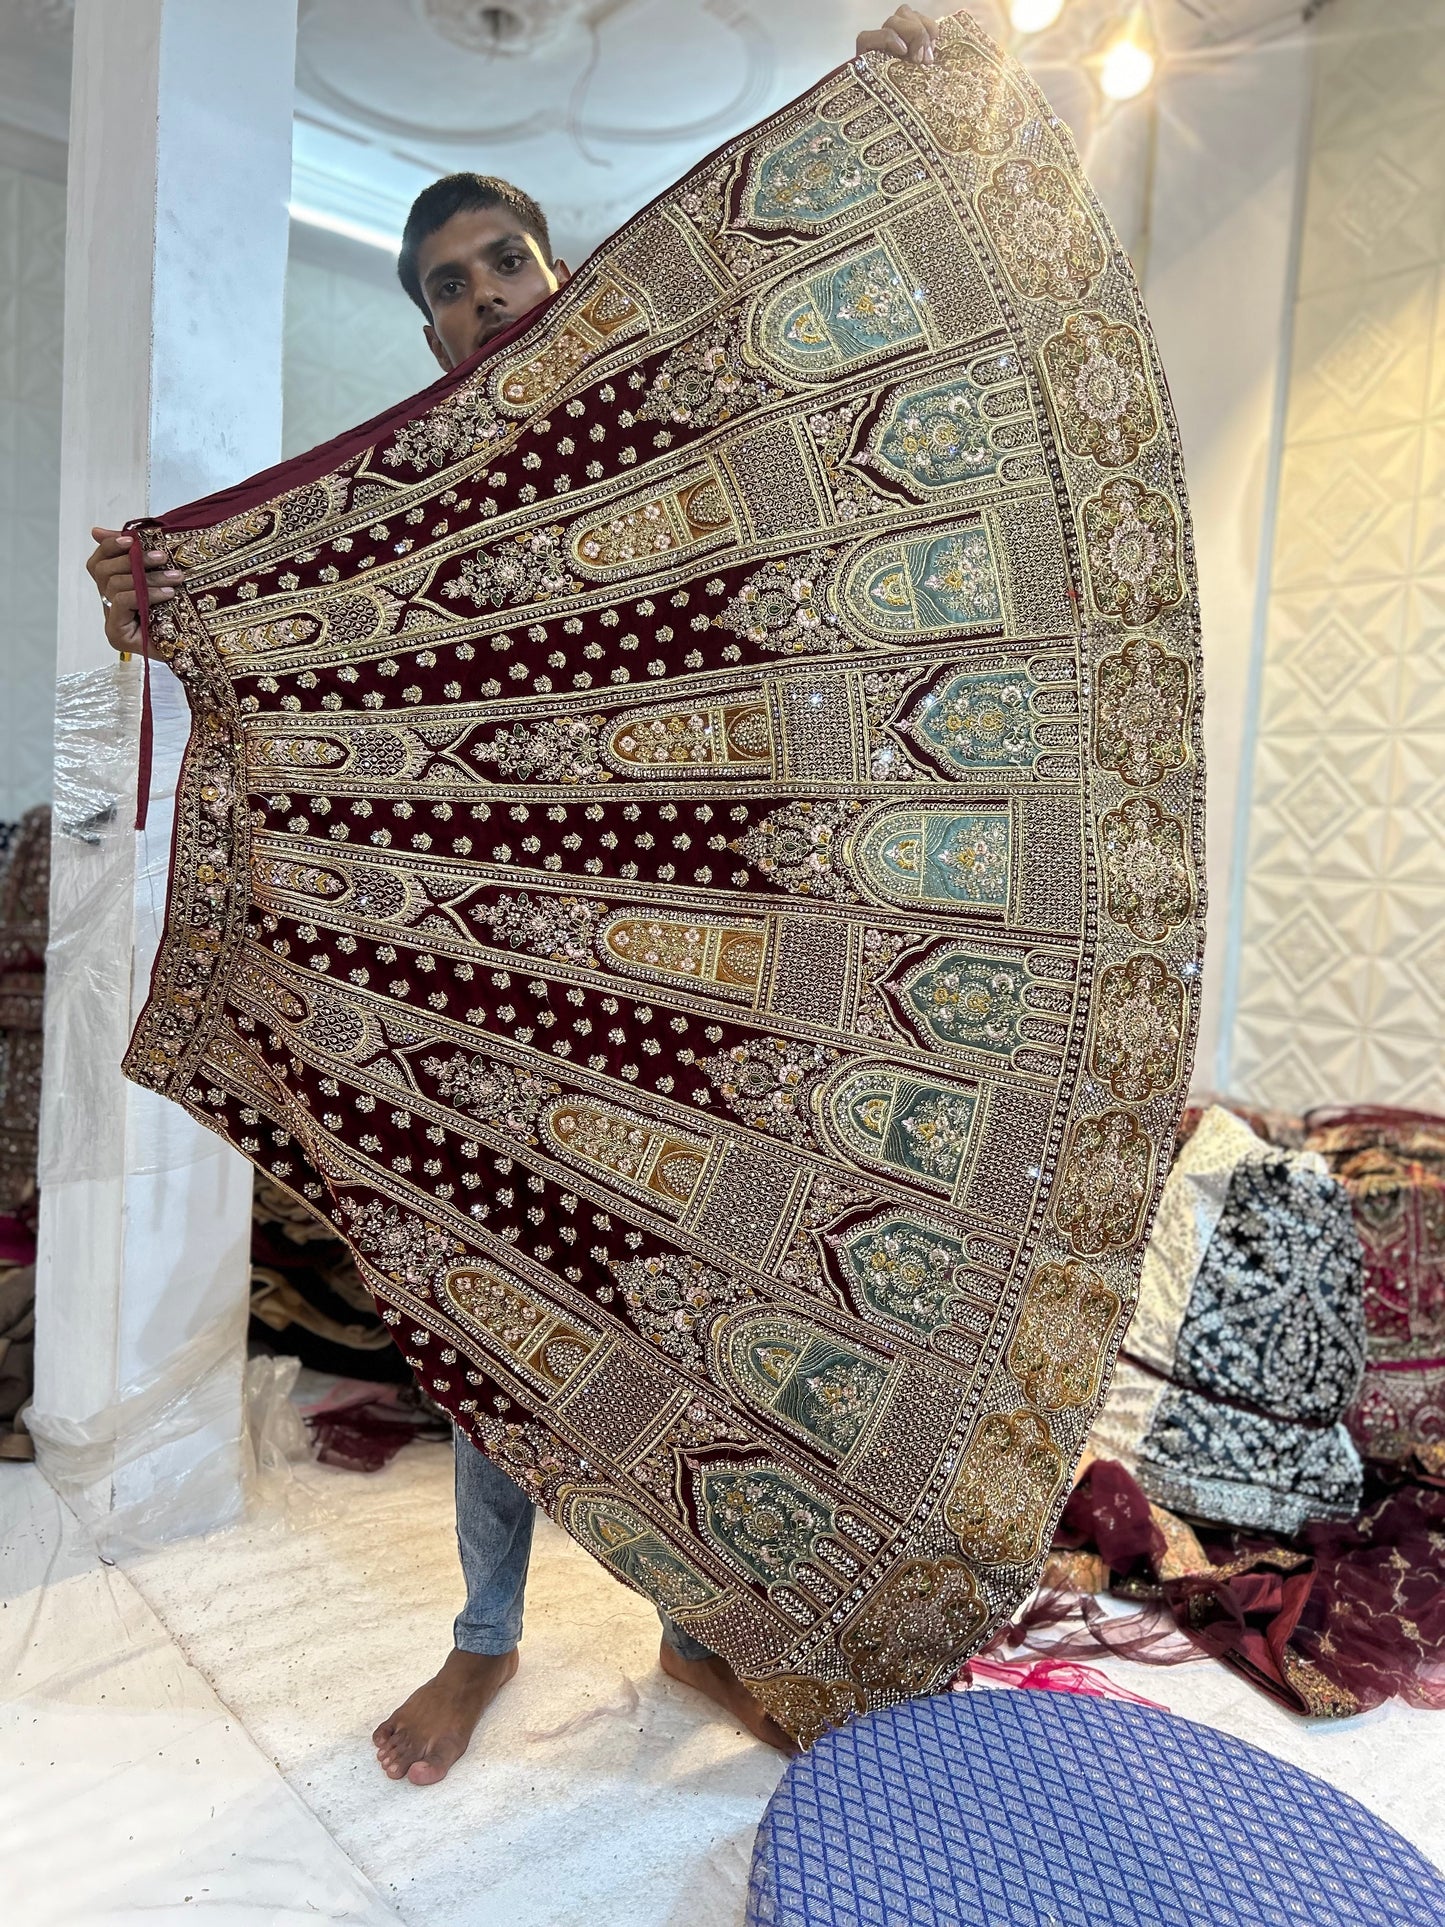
point(460, 194)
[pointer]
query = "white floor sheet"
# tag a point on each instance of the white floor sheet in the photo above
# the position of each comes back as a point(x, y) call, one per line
point(598, 1791)
point(128, 1792)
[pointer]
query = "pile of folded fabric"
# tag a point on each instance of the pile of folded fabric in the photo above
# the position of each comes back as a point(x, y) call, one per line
point(308, 1301)
point(24, 910)
point(1267, 1474)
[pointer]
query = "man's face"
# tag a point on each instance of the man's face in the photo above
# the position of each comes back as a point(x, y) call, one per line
point(480, 273)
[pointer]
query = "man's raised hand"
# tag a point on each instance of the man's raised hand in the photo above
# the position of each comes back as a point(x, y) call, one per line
point(906, 33)
point(109, 569)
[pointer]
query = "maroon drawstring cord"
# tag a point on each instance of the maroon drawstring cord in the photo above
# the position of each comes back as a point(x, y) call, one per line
point(147, 722)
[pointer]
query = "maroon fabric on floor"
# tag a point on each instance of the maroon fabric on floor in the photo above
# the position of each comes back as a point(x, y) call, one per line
point(1329, 1623)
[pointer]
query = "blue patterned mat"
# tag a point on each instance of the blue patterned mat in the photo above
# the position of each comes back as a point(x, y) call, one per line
point(1046, 1810)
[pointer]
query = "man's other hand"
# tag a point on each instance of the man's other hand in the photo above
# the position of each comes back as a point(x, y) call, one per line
point(109, 569)
point(907, 33)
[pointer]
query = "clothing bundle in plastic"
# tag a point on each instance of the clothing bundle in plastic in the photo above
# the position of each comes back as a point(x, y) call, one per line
point(690, 854)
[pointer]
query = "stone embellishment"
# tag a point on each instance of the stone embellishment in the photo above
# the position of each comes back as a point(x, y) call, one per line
point(910, 1634)
point(1147, 885)
point(852, 313)
point(907, 1271)
point(963, 99)
point(768, 1521)
point(1141, 712)
point(810, 180)
point(664, 1167)
point(1000, 1500)
point(1139, 1023)
point(1048, 245)
point(1101, 389)
point(979, 722)
point(1104, 1184)
point(1132, 540)
point(811, 1381)
point(1065, 1323)
point(525, 1330)
point(969, 1001)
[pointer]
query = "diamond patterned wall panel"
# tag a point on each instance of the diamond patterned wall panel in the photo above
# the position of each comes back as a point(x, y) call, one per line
point(352, 349)
point(1342, 939)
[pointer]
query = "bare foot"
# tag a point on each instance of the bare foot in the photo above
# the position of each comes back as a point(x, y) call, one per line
point(428, 1734)
point(721, 1684)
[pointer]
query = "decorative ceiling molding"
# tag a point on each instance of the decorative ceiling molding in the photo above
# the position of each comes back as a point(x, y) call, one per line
point(509, 28)
point(565, 111)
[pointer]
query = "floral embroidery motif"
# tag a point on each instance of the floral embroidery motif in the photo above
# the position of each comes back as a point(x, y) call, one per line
point(1146, 870)
point(936, 438)
point(675, 1298)
point(917, 1628)
point(1045, 239)
point(604, 314)
point(561, 928)
point(769, 1083)
point(768, 1521)
point(964, 101)
point(508, 1100)
point(969, 1001)
point(1139, 1029)
point(908, 1271)
point(1066, 1320)
point(1105, 1183)
point(465, 420)
point(778, 608)
point(705, 382)
point(1101, 389)
point(812, 179)
point(808, 1379)
point(938, 856)
point(1132, 541)
point(531, 567)
point(796, 848)
point(1000, 1500)
point(979, 722)
point(555, 749)
point(1141, 712)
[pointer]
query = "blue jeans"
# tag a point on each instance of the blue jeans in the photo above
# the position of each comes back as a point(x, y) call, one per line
point(494, 1537)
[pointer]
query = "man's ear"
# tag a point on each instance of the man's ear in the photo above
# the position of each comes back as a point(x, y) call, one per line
point(434, 342)
point(562, 272)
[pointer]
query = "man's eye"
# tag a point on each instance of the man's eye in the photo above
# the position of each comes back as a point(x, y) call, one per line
point(511, 262)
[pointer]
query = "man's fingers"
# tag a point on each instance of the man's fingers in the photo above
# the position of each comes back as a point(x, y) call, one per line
point(918, 31)
point(883, 42)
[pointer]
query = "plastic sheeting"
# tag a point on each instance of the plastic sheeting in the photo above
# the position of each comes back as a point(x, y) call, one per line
point(143, 1274)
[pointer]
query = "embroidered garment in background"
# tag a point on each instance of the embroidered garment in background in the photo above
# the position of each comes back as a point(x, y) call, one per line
point(1248, 1343)
point(690, 853)
point(1392, 1165)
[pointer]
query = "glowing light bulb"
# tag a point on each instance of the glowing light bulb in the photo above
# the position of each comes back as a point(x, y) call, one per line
point(1128, 63)
point(1032, 16)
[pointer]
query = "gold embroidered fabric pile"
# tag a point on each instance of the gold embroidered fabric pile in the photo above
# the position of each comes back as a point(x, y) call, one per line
point(690, 856)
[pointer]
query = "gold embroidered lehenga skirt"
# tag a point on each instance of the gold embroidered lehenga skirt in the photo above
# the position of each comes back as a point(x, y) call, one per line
point(690, 855)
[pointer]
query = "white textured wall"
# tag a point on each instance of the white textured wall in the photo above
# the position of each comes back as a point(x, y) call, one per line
point(353, 347)
point(32, 280)
point(1341, 965)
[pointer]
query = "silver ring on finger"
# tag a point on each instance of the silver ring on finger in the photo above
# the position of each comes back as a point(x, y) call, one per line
point(105, 602)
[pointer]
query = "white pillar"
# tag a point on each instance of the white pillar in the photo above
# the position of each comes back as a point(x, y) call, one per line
point(179, 175)
point(1219, 285)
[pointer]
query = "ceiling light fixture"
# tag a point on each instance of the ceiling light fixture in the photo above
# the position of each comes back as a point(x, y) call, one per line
point(1032, 16)
point(371, 237)
point(1128, 61)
